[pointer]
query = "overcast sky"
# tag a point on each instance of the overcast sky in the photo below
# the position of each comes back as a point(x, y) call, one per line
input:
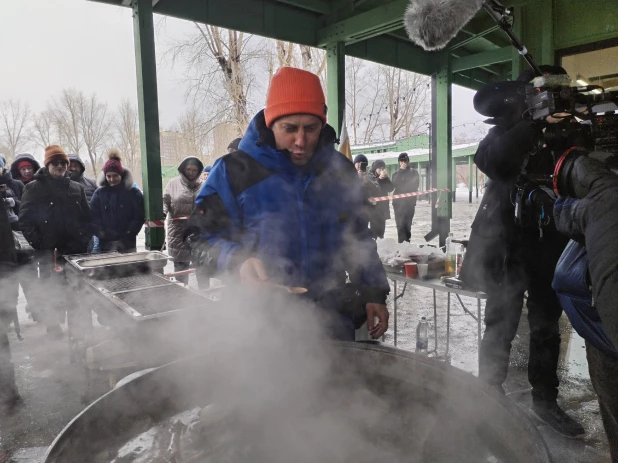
point(48, 45)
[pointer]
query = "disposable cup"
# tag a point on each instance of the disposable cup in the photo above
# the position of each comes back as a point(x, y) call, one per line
point(423, 269)
point(411, 270)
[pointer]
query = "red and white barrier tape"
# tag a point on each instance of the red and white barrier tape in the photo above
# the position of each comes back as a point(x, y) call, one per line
point(406, 195)
point(161, 223)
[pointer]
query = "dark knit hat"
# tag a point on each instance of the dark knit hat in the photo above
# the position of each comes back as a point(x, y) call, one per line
point(379, 164)
point(114, 163)
point(207, 169)
point(403, 157)
point(54, 153)
point(361, 158)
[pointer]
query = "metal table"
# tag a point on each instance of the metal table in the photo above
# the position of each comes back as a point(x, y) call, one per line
point(438, 285)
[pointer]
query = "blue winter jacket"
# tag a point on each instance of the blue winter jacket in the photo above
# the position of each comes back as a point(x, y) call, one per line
point(305, 223)
point(118, 212)
point(572, 285)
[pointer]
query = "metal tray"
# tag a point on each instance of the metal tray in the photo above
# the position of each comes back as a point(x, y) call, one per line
point(115, 264)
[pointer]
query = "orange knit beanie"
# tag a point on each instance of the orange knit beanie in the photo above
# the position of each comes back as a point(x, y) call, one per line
point(294, 91)
point(54, 153)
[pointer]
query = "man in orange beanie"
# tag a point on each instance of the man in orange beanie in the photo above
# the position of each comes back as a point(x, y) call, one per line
point(287, 208)
point(54, 215)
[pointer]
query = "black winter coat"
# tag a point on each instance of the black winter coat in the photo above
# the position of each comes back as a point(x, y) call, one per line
point(405, 181)
point(54, 214)
point(386, 186)
point(118, 213)
point(501, 155)
point(14, 189)
point(89, 184)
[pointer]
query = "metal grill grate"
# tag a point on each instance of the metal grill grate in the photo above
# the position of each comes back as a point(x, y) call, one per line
point(152, 301)
point(146, 280)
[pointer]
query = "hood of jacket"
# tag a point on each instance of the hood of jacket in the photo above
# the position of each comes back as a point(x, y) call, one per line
point(127, 180)
point(259, 143)
point(183, 164)
point(76, 158)
point(23, 157)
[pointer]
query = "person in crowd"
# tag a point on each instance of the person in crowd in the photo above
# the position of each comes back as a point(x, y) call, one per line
point(178, 201)
point(378, 171)
point(586, 277)
point(286, 208)
point(205, 173)
point(54, 216)
point(11, 191)
point(507, 256)
point(233, 146)
point(24, 167)
point(9, 286)
point(405, 180)
point(117, 207)
point(77, 168)
point(371, 189)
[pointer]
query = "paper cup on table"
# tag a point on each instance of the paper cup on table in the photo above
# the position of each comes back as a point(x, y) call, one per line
point(423, 269)
point(411, 270)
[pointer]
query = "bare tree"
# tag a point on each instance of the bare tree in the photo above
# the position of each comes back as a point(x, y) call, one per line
point(95, 128)
point(67, 112)
point(219, 60)
point(126, 128)
point(196, 133)
point(407, 101)
point(44, 129)
point(14, 120)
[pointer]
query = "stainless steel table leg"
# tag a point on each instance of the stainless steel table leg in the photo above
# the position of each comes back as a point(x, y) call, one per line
point(479, 327)
point(448, 325)
point(435, 322)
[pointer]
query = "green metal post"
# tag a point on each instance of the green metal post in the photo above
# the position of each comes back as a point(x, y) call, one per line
point(546, 10)
point(148, 105)
point(441, 152)
point(335, 84)
point(516, 66)
point(454, 179)
point(470, 184)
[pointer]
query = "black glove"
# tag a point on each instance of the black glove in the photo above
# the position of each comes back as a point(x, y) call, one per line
point(577, 169)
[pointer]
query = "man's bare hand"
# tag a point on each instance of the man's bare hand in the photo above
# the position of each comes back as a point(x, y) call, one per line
point(252, 271)
point(379, 327)
point(557, 118)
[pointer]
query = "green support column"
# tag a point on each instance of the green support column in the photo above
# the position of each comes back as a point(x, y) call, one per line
point(441, 150)
point(546, 10)
point(518, 62)
point(470, 179)
point(335, 84)
point(148, 106)
point(454, 179)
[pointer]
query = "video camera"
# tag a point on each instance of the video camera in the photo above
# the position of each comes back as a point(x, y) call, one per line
point(547, 95)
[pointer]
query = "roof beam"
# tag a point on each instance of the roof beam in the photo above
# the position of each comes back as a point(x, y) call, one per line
point(363, 26)
point(317, 6)
point(485, 58)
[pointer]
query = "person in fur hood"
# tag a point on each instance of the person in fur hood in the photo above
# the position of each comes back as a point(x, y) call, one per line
point(117, 207)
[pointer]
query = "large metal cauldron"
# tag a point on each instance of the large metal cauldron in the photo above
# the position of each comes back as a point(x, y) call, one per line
point(440, 414)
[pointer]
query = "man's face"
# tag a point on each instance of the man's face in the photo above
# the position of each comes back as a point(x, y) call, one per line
point(191, 172)
point(358, 166)
point(403, 164)
point(113, 178)
point(58, 168)
point(204, 176)
point(299, 134)
point(27, 172)
point(75, 167)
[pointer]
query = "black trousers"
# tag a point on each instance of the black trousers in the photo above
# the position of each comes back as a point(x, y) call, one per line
point(530, 267)
point(179, 267)
point(603, 370)
point(404, 213)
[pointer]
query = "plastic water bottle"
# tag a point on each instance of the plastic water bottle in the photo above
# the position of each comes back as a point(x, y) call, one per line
point(450, 265)
point(421, 336)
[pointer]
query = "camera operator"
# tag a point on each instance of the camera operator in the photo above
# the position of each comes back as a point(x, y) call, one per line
point(586, 278)
point(513, 248)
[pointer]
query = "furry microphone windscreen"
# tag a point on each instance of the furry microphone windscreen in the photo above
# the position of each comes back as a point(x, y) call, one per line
point(431, 24)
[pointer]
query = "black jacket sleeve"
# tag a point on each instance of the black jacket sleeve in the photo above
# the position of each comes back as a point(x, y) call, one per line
point(386, 186)
point(28, 216)
point(502, 152)
point(597, 216)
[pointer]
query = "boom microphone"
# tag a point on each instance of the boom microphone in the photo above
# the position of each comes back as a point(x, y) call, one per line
point(431, 24)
